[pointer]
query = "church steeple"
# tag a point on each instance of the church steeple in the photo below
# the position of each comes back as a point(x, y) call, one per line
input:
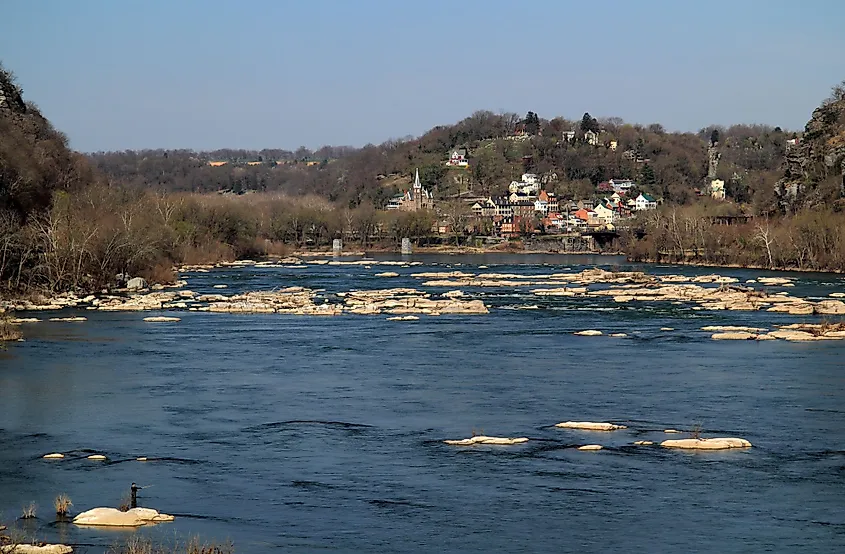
point(417, 184)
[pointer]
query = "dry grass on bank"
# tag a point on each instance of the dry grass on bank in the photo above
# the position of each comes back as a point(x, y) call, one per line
point(143, 545)
point(9, 331)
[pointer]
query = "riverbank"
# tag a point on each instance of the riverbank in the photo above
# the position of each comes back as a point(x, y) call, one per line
point(757, 267)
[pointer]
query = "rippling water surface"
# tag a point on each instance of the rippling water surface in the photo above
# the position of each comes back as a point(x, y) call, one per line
point(325, 434)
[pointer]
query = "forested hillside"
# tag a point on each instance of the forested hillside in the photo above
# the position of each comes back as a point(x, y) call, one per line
point(671, 166)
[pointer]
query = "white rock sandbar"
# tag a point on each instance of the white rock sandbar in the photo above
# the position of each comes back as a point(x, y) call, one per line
point(716, 443)
point(483, 439)
point(590, 425)
point(35, 549)
point(111, 517)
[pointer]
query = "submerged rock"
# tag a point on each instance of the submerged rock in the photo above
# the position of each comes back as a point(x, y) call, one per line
point(111, 517)
point(590, 425)
point(588, 333)
point(387, 274)
point(734, 335)
point(590, 447)
point(96, 457)
point(403, 318)
point(453, 294)
point(483, 439)
point(161, 319)
point(716, 443)
point(78, 318)
point(733, 328)
point(773, 280)
point(643, 443)
point(53, 456)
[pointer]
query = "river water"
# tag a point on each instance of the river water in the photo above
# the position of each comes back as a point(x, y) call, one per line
point(313, 434)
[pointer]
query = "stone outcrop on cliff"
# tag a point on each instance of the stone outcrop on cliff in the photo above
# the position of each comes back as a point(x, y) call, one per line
point(814, 166)
point(11, 98)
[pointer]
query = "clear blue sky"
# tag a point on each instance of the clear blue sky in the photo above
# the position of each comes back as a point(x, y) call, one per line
point(284, 73)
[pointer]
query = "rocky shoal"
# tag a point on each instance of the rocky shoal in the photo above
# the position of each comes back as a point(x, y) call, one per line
point(707, 292)
point(291, 300)
point(634, 286)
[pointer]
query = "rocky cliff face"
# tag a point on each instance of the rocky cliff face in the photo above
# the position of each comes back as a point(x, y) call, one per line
point(11, 98)
point(814, 173)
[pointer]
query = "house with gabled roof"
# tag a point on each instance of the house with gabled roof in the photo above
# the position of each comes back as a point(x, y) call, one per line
point(458, 158)
point(604, 213)
point(645, 202)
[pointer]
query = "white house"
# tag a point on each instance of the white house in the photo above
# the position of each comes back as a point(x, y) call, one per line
point(645, 202)
point(530, 179)
point(622, 185)
point(458, 158)
point(528, 185)
point(591, 138)
point(569, 136)
point(717, 189)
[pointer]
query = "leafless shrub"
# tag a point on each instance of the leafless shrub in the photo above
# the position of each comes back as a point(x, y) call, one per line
point(62, 503)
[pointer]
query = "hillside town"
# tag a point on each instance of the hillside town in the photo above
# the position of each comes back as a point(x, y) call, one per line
point(529, 207)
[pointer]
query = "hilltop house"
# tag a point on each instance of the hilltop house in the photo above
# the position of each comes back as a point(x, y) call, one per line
point(604, 187)
point(458, 158)
point(622, 185)
point(529, 184)
point(569, 136)
point(591, 138)
point(717, 189)
point(645, 202)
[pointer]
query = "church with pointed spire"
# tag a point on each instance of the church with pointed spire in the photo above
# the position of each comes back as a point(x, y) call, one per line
point(416, 198)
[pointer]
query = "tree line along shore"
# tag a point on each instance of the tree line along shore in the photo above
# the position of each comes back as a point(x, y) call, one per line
point(74, 222)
